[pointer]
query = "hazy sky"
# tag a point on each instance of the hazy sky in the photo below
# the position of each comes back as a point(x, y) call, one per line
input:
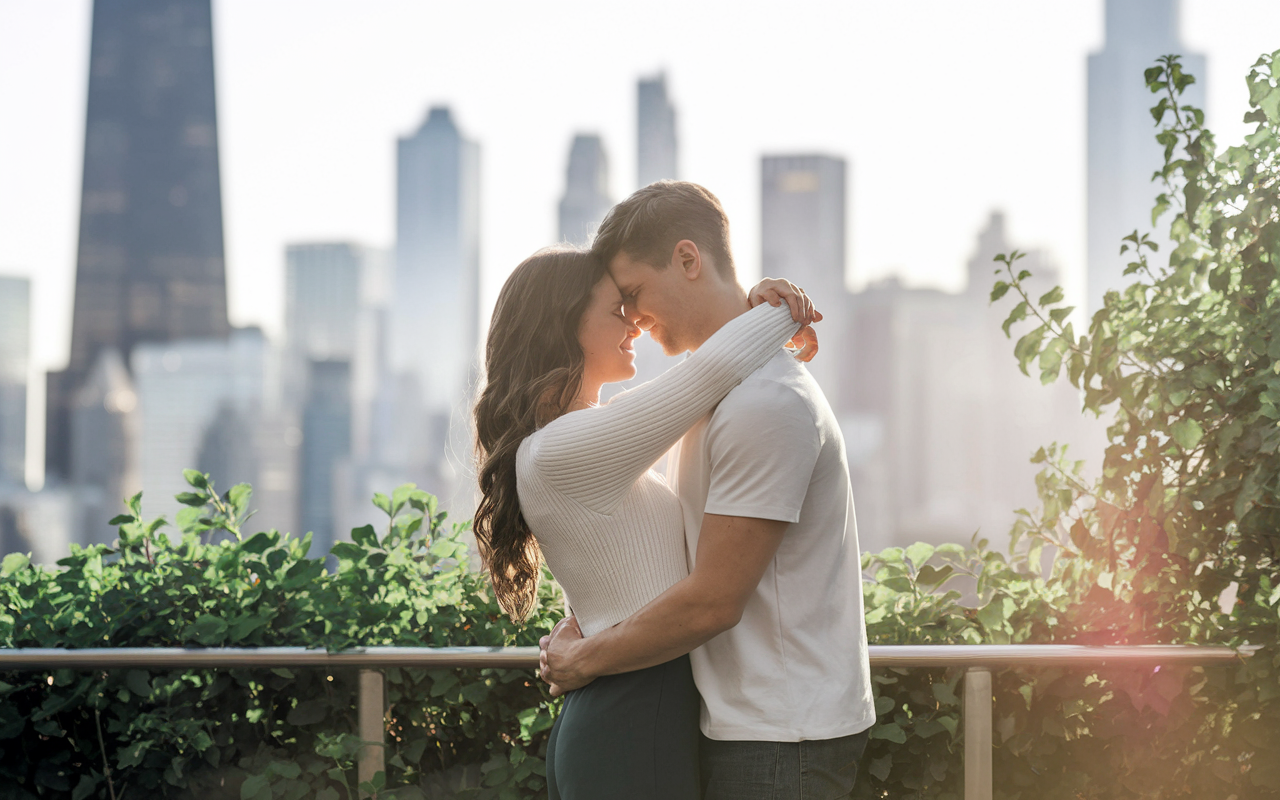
point(944, 110)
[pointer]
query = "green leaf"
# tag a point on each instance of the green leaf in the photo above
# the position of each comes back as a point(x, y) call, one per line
point(238, 496)
point(992, 615)
point(139, 682)
point(1054, 295)
point(1187, 433)
point(884, 705)
point(208, 629)
point(1018, 314)
point(880, 768)
point(191, 499)
point(919, 553)
point(889, 732)
point(196, 478)
point(308, 712)
point(999, 290)
point(85, 787)
point(933, 576)
point(13, 563)
point(944, 695)
point(260, 542)
point(256, 787)
point(383, 502)
point(365, 536)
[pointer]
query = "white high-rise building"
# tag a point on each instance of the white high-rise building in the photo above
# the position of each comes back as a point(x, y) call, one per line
point(586, 190)
point(188, 392)
point(15, 358)
point(1123, 152)
point(656, 150)
point(802, 239)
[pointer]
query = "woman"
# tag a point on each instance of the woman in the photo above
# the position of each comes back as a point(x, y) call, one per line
point(569, 479)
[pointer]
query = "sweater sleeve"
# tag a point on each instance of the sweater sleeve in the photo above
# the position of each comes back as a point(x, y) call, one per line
point(596, 454)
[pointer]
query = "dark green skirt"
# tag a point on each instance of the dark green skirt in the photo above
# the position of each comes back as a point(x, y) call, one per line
point(628, 737)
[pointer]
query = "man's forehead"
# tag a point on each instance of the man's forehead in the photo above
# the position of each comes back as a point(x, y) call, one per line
point(626, 269)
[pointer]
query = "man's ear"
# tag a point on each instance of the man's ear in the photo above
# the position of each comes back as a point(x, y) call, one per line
point(687, 258)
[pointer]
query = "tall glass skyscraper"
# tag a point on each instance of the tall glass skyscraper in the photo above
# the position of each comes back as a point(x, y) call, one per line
point(586, 190)
point(149, 266)
point(656, 153)
point(435, 306)
point(1123, 152)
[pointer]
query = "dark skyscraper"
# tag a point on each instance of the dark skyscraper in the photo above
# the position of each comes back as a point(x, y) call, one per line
point(655, 132)
point(1123, 152)
point(150, 261)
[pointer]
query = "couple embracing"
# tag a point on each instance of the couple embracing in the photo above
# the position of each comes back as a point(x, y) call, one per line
point(716, 647)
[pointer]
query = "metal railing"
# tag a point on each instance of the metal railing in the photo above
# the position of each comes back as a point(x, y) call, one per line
point(977, 660)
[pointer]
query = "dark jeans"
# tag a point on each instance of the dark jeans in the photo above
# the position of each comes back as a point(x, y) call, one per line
point(816, 770)
point(628, 737)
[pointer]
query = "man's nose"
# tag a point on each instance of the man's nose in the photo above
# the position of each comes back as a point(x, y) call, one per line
point(642, 321)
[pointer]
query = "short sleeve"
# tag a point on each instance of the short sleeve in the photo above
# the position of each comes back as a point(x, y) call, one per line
point(763, 445)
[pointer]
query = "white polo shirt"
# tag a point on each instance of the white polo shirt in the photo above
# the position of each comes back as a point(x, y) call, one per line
point(795, 668)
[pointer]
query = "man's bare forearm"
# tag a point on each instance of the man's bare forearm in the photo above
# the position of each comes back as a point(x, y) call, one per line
point(677, 621)
point(733, 553)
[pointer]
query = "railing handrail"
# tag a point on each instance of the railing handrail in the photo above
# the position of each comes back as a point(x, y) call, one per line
point(910, 655)
point(977, 659)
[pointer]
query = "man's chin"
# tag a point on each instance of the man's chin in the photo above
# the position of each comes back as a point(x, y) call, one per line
point(668, 349)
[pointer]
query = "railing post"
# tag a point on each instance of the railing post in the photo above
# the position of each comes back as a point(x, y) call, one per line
point(371, 713)
point(977, 734)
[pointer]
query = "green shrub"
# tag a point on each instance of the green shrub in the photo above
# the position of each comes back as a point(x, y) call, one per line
point(255, 733)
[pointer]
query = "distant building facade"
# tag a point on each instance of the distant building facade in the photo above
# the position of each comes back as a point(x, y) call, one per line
point(149, 265)
point(15, 361)
point(657, 153)
point(586, 190)
point(198, 400)
point(802, 239)
point(336, 303)
point(104, 434)
point(1122, 149)
point(326, 444)
point(939, 422)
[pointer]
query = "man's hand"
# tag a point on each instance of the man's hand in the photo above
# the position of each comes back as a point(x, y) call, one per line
point(556, 658)
point(807, 342)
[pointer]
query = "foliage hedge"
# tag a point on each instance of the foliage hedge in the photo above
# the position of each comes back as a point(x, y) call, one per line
point(1176, 541)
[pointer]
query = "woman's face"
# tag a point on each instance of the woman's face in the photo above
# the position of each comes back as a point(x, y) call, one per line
point(607, 336)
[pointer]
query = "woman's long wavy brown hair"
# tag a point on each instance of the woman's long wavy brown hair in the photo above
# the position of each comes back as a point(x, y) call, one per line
point(533, 372)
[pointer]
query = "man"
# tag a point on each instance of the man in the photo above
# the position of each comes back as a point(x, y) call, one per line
point(773, 602)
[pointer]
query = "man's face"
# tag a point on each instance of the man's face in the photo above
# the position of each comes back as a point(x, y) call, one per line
point(657, 300)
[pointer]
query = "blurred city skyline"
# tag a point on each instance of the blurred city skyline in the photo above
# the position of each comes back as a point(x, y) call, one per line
point(366, 380)
point(985, 109)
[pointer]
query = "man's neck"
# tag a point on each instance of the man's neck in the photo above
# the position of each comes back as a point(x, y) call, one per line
point(716, 312)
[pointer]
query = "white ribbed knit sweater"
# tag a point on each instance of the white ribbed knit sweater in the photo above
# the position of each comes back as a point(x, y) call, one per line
point(611, 530)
